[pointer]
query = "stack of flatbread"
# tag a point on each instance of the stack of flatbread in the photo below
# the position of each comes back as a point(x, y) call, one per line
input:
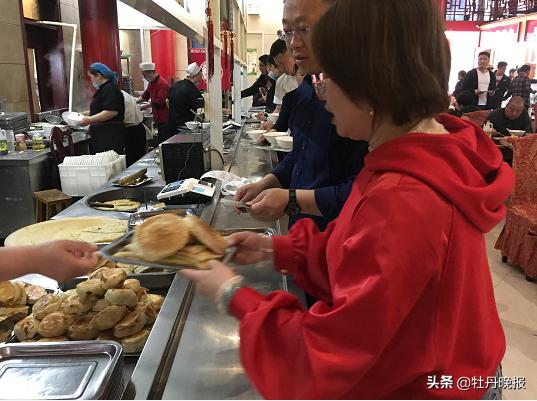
point(118, 205)
point(173, 240)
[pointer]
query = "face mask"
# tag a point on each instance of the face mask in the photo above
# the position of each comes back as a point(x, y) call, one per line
point(96, 85)
point(273, 76)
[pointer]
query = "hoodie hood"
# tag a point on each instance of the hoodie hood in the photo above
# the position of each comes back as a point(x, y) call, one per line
point(465, 167)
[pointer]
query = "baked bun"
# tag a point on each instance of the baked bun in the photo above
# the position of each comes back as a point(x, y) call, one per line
point(82, 329)
point(160, 236)
point(135, 343)
point(132, 284)
point(20, 298)
point(142, 293)
point(121, 297)
point(98, 274)
point(206, 235)
point(26, 328)
point(130, 325)
point(73, 305)
point(100, 305)
point(156, 301)
point(90, 290)
point(7, 311)
point(8, 293)
point(148, 310)
point(113, 278)
point(109, 317)
point(55, 324)
point(33, 293)
point(46, 305)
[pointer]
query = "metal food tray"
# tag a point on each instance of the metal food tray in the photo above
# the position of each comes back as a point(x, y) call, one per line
point(108, 252)
point(72, 370)
point(265, 231)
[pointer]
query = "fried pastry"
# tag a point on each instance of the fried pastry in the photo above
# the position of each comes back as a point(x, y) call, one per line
point(135, 343)
point(131, 324)
point(26, 328)
point(121, 297)
point(206, 235)
point(55, 324)
point(109, 317)
point(160, 236)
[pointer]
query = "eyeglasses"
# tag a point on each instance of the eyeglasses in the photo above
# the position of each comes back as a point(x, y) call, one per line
point(319, 84)
point(301, 33)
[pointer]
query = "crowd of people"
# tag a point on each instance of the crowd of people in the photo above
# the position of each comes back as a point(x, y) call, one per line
point(483, 88)
point(115, 117)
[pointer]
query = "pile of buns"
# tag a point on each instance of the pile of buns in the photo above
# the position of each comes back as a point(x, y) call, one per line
point(107, 306)
point(15, 299)
point(173, 240)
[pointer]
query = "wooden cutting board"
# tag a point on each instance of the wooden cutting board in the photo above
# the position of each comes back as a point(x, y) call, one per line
point(89, 229)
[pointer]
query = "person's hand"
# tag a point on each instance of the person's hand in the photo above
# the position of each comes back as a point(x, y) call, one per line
point(252, 248)
point(208, 282)
point(261, 115)
point(477, 92)
point(85, 122)
point(270, 204)
point(64, 260)
point(267, 125)
point(249, 192)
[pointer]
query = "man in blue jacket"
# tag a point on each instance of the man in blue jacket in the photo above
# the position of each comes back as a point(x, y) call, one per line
point(315, 179)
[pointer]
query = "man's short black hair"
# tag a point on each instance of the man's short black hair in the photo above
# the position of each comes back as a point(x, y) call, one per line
point(277, 48)
point(502, 64)
point(484, 54)
point(525, 68)
point(512, 70)
point(264, 59)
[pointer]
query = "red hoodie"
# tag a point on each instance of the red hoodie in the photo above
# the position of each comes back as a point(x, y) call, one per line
point(402, 278)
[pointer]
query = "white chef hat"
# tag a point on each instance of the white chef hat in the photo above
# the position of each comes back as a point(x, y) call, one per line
point(193, 69)
point(147, 66)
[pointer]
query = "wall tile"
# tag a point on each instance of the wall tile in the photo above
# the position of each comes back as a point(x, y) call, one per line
point(21, 106)
point(10, 12)
point(13, 83)
point(11, 46)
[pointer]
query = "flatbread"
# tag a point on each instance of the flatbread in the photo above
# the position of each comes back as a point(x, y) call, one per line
point(160, 236)
point(206, 235)
point(121, 205)
point(90, 229)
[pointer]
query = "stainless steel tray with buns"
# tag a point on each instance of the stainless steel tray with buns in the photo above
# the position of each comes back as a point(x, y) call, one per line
point(75, 370)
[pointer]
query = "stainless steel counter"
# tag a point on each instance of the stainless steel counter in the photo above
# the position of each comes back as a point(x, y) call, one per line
point(206, 364)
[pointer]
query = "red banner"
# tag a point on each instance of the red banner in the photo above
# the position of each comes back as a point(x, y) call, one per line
point(197, 55)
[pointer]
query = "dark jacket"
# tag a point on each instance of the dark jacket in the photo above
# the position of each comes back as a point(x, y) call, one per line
point(184, 97)
point(501, 91)
point(253, 90)
point(471, 83)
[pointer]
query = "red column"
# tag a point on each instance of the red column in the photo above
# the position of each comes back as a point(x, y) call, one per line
point(100, 33)
point(163, 52)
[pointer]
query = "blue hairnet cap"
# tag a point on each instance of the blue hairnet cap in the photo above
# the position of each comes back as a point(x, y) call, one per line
point(105, 71)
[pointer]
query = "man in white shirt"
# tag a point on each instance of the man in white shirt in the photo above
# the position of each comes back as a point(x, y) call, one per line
point(480, 83)
point(285, 62)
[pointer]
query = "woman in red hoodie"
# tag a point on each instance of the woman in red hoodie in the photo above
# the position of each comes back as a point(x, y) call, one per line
point(406, 307)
